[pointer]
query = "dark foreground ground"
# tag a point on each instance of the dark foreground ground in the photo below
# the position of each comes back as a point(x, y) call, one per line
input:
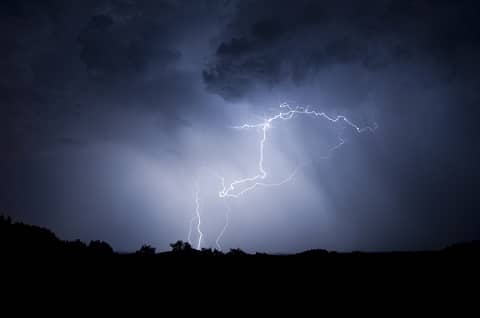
point(34, 258)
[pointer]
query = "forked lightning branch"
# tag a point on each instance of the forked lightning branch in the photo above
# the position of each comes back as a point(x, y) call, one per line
point(249, 183)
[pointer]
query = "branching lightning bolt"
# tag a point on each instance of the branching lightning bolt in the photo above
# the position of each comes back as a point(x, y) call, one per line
point(288, 112)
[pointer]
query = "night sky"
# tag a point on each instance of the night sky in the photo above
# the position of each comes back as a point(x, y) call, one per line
point(113, 113)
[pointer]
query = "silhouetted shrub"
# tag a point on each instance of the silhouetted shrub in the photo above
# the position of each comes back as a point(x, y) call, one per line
point(236, 252)
point(146, 250)
point(217, 253)
point(181, 246)
point(207, 251)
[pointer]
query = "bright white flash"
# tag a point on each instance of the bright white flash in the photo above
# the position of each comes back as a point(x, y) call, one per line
point(228, 191)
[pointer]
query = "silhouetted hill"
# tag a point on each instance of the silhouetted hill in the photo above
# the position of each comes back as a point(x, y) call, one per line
point(21, 239)
point(465, 248)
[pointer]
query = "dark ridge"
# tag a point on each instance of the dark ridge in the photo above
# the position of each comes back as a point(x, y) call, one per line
point(21, 239)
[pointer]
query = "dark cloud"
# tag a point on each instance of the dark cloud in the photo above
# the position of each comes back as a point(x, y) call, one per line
point(108, 109)
point(294, 41)
point(125, 46)
point(62, 63)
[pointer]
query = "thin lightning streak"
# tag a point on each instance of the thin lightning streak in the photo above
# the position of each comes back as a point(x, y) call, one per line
point(197, 212)
point(340, 143)
point(227, 213)
point(190, 229)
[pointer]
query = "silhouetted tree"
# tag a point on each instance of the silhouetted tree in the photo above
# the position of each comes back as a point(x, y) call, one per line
point(181, 246)
point(236, 252)
point(207, 251)
point(217, 252)
point(146, 250)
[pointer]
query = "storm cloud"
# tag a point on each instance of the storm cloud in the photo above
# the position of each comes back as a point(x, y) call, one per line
point(111, 112)
point(268, 42)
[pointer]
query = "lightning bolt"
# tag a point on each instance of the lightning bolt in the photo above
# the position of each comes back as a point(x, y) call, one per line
point(227, 213)
point(189, 237)
point(288, 114)
point(228, 191)
point(197, 217)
